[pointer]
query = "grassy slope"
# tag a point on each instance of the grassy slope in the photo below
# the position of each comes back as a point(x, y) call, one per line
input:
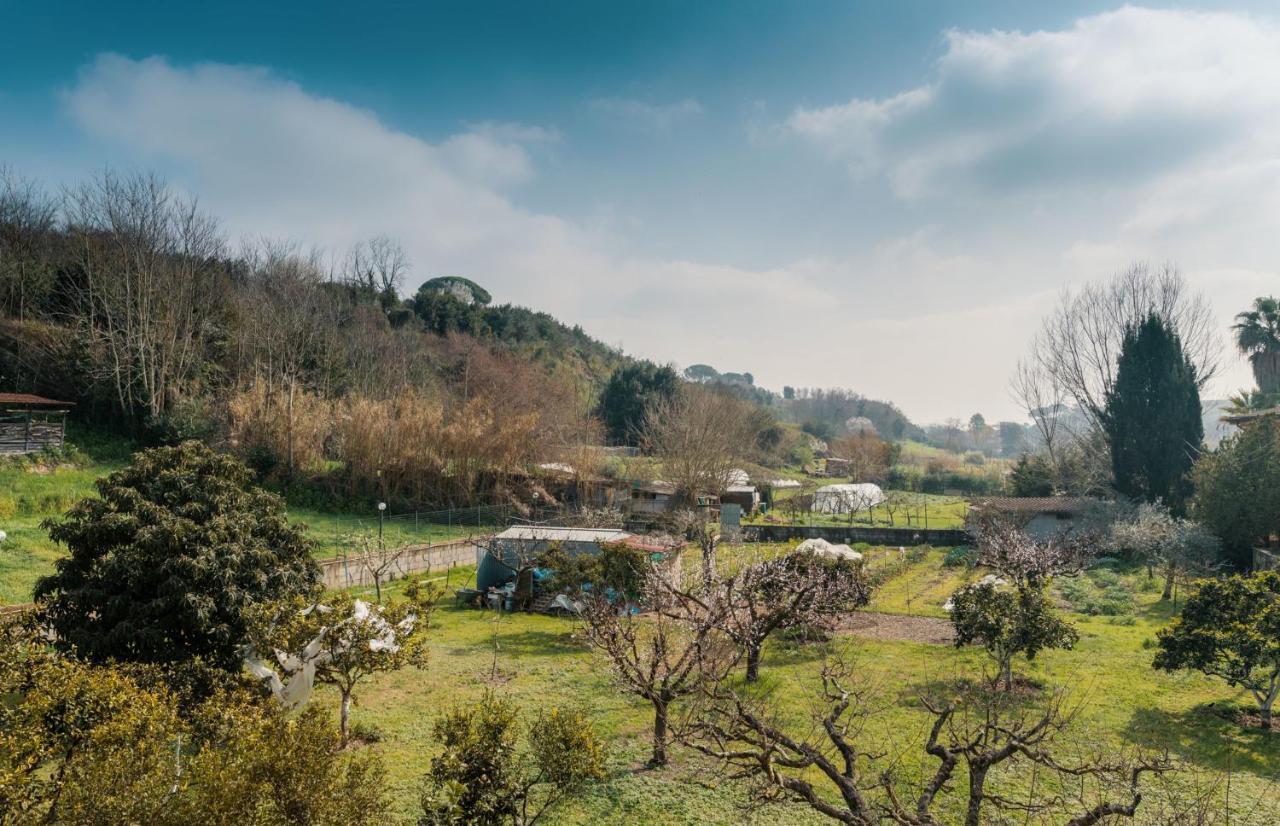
point(1123, 703)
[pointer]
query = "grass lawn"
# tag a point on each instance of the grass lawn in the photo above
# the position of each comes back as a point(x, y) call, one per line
point(907, 510)
point(34, 489)
point(336, 533)
point(1123, 703)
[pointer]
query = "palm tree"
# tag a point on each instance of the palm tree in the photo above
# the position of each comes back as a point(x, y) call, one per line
point(1258, 337)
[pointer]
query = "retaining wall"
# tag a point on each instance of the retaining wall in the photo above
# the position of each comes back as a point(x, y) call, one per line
point(852, 534)
point(347, 572)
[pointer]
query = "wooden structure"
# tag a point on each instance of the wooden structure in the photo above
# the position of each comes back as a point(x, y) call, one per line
point(29, 424)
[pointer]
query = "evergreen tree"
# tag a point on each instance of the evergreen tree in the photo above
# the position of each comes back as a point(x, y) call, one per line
point(168, 557)
point(631, 391)
point(1152, 417)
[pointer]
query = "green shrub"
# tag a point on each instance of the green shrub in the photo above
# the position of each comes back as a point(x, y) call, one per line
point(1100, 592)
point(961, 556)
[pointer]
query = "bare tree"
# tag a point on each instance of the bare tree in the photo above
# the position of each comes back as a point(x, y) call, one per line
point(796, 591)
point(381, 560)
point(830, 768)
point(378, 265)
point(1079, 344)
point(669, 653)
point(28, 218)
point(701, 436)
point(148, 292)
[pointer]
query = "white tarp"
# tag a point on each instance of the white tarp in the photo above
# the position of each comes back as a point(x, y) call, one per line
point(846, 498)
point(826, 550)
point(737, 476)
point(292, 683)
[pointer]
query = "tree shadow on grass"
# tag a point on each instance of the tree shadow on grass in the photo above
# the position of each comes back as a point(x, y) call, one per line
point(1203, 735)
point(533, 643)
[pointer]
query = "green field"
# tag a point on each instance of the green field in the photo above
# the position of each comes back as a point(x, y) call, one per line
point(914, 510)
point(1125, 703)
point(542, 662)
point(38, 488)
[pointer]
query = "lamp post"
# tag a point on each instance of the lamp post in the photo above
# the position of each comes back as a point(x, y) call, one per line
point(382, 509)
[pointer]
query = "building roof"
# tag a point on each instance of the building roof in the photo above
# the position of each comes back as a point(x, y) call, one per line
point(1034, 504)
point(740, 489)
point(28, 400)
point(539, 533)
point(655, 487)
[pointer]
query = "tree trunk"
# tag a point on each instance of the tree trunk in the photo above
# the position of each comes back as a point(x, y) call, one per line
point(708, 563)
point(1169, 574)
point(753, 662)
point(1006, 671)
point(977, 780)
point(659, 757)
point(1264, 711)
point(344, 714)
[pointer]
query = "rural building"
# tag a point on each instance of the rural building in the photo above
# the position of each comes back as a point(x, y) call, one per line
point(29, 424)
point(835, 466)
point(1042, 517)
point(501, 560)
point(745, 496)
point(846, 498)
point(651, 497)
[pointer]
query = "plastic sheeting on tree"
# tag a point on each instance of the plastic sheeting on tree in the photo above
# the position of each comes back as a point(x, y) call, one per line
point(292, 677)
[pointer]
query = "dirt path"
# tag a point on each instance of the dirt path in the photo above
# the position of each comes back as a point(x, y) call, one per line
point(877, 626)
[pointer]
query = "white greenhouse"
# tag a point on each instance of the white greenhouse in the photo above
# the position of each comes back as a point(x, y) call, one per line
point(846, 498)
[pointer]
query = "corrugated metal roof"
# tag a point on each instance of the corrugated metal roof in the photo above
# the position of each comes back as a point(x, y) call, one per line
point(538, 533)
point(27, 398)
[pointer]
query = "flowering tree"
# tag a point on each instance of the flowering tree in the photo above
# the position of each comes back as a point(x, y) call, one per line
point(1179, 546)
point(799, 590)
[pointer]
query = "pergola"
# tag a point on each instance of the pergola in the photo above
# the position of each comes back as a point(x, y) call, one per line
point(29, 424)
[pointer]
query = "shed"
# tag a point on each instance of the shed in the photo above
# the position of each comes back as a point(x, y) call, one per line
point(1040, 516)
point(29, 424)
point(651, 497)
point(745, 496)
point(503, 556)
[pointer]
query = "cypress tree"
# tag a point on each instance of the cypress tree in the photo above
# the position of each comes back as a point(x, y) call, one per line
point(1152, 418)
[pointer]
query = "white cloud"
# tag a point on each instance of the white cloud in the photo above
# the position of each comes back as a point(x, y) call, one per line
point(1117, 98)
point(921, 318)
point(657, 116)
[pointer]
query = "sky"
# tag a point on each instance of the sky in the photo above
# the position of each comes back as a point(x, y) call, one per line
point(881, 196)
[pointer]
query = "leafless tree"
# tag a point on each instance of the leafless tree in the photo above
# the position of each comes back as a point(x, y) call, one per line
point(148, 294)
point(1025, 561)
point(701, 436)
point(378, 265)
point(1078, 346)
point(381, 560)
point(669, 653)
point(829, 766)
point(28, 218)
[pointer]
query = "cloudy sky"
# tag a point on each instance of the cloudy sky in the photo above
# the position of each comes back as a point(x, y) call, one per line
point(880, 196)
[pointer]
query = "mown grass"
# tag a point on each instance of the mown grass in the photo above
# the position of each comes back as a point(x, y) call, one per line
point(336, 533)
point(1123, 704)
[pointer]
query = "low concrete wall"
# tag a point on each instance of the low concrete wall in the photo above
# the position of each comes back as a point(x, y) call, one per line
point(852, 534)
point(348, 572)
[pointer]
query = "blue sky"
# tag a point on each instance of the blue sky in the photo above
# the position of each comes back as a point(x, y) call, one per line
point(883, 196)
